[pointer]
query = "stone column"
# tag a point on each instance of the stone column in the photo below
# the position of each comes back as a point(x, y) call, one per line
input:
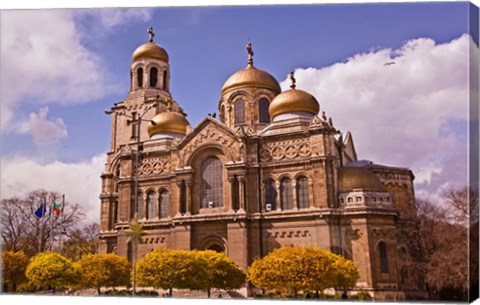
point(278, 201)
point(188, 197)
point(231, 179)
point(311, 197)
point(241, 192)
point(294, 194)
point(179, 185)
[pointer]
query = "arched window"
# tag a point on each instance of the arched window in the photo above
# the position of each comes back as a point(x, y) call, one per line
point(164, 204)
point(302, 192)
point(271, 194)
point(183, 198)
point(141, 215)
point(286, 194)
point(150, 205)
point(153, 77)
point(212, 183)
point(235, 194)
point(140, 77)
point(239, 112)
point(263, 115)
point(382, 250)
point(165, 80)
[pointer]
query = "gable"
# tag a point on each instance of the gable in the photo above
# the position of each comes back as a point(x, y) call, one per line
point(211, 134)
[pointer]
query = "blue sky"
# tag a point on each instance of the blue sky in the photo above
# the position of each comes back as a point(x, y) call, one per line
point(206, 45)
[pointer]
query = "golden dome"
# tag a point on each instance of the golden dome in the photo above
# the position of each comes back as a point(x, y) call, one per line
point(293, 101)
point(251, 76)
point(350, 178)
point(150, 50)
point(168, 122)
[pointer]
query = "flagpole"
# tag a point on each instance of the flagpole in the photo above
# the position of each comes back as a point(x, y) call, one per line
point(52, 237)
point(61, 224)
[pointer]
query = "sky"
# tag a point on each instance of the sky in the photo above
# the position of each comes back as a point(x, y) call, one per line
point(61, 68)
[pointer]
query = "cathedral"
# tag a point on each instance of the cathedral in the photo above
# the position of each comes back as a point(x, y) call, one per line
point(270, 170)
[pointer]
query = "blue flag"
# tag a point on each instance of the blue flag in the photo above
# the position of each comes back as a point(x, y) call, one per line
point(41, 210)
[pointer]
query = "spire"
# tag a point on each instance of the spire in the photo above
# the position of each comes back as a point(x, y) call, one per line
point(292, 78)
point(250, 55)
point(151, 34)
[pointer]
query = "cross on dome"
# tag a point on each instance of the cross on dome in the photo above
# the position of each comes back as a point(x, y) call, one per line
point(151, 34)
point(292, 78)
point(250, 54)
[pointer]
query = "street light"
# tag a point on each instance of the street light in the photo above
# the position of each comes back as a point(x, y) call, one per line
point(138, 118)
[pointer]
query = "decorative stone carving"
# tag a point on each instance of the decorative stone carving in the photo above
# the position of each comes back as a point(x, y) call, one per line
point(285, 150)
point(154, 166)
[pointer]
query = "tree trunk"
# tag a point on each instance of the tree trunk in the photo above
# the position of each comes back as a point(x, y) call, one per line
point(170, 292)
point(98, 291)
point(208, 293)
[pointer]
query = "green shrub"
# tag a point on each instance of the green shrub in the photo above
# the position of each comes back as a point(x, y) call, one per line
point(362, 296)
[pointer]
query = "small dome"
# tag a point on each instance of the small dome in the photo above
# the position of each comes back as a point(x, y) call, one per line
point(293, 101)
point(350, 178)
point(168, 122)
point(150, 50)
point(251, 76)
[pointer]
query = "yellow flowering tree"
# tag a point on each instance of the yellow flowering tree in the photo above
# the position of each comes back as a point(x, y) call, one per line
point(108, 270)
point(301, 269)
point(168, 269)
point(222, 272)
point(14, 265)
point(48, 269)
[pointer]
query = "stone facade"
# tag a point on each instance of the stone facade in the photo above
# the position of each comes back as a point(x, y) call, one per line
point(293, 181)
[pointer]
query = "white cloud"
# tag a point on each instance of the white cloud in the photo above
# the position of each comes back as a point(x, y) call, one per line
point(80, 182)
point(44, 131)
point(112, 17)
point(397, 112)
point(44, 59)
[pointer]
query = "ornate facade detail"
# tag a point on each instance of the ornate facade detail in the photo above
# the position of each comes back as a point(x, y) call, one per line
point(285, 150)
point(154, 166)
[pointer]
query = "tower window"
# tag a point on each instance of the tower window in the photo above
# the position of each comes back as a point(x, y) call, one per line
point(271, 194)
point(382, 250)
point(263, 115)
point(286, 194)
point(302, 192)
point(164, 204)
point(239, 112)
point(165, 80)
point(212, 183)
point(153, 77)
point(222, 114)
point(140, 77)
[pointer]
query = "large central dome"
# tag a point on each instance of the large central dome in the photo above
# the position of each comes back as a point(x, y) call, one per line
point(251, 76)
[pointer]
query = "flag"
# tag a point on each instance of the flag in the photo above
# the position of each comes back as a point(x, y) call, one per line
point(41, 210)
point(56, 208)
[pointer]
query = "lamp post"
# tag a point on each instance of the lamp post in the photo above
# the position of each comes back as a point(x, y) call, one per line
point(135, 233)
